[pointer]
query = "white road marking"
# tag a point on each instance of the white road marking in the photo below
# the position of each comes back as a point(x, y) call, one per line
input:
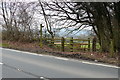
point(21, 51)
point(29, 53)
point(11, 49)
point(85, 62)
point(1, 63)
point(41, 77)
point(61, 58)
point(18, 69)
point(99, 64)
point(40, 54)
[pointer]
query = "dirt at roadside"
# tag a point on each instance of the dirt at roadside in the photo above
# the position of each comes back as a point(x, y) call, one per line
point(34, 47)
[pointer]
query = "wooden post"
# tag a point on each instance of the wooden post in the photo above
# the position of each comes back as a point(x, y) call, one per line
point(41, 44)
point(71, 44)
point(88, 44)
point(52, 41)
point(111, 48)
point(94, 44)
point(62, 44)
point(45, 40)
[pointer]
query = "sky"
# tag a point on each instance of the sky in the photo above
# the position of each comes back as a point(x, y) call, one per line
point(63, 30)
point(63, 0)
point(38, 17)
point(18, 0)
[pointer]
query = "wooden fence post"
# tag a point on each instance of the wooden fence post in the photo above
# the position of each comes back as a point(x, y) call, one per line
point(45, 37)
point(52, 41)
point(88, 44)
point(111, 49)
point(94, 44)
point(62, 44)
point(71, 44)
point(41, 44)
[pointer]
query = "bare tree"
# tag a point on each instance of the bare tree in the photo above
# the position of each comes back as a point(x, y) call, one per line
point(8, 13)
point(81, 14)
point(18, 18)
point(48, 24)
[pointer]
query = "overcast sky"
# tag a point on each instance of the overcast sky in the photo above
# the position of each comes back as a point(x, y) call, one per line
point(63, 0)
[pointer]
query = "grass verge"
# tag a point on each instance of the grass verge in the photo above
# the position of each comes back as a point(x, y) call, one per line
point(4, 45)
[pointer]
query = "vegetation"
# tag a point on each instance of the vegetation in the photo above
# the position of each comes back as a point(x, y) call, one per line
point(19, 21)
point(4, 45)
point(103, 17)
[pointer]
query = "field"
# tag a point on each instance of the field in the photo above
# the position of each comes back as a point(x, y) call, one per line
point(77, 47)
point(4, 45)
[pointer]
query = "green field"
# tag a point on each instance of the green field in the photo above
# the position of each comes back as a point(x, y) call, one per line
point(4, 45)
point(76, 48)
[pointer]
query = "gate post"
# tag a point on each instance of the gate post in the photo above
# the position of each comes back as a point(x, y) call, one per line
point(62, 44)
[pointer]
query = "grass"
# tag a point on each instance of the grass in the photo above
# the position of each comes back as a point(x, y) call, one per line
point(84, 46)
point(4, 45)
point(77, 47)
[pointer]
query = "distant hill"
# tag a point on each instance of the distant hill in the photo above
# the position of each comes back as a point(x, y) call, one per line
point(75, 34)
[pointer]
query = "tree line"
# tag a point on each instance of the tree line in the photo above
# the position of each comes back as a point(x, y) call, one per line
point(103, 17)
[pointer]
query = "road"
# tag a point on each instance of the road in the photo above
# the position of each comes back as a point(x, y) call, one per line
point(20, 64)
